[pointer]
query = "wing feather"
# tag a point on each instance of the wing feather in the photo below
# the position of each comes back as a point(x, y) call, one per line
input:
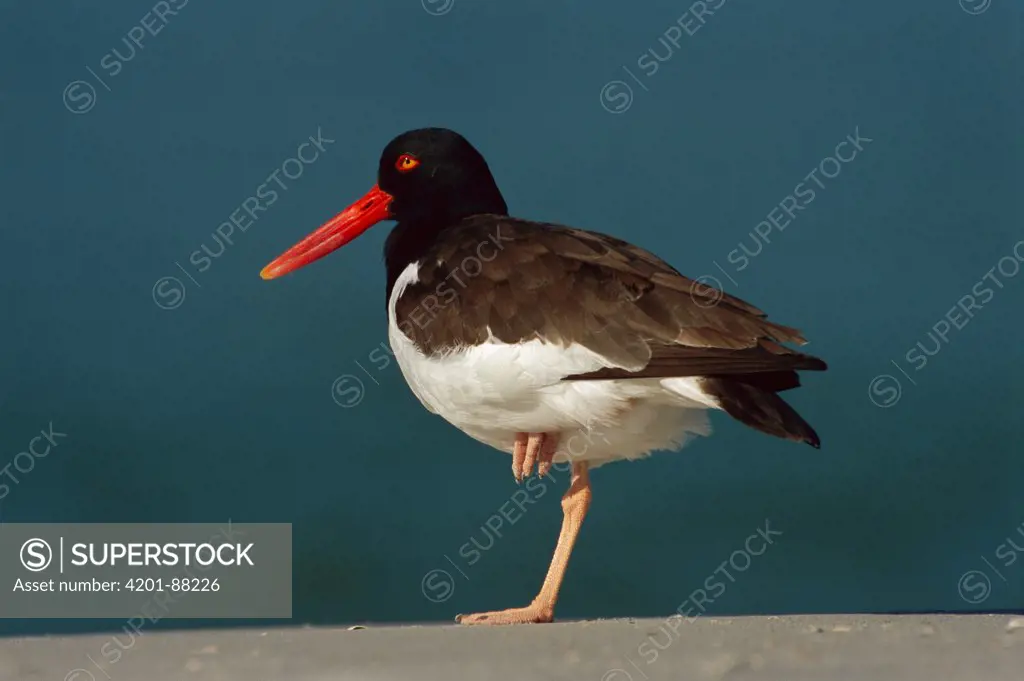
point(496, 277)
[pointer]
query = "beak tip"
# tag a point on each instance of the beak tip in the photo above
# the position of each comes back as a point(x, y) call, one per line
point(267, 273)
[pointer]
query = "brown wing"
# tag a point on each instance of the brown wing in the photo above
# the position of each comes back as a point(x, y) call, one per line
point(524, 280)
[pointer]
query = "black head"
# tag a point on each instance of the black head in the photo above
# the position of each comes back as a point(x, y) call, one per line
point(435, 175)
point(428, 179)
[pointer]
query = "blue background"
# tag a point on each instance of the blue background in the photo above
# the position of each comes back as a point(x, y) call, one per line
point(223, 406)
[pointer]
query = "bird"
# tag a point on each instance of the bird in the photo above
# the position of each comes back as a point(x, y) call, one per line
point(529, 336)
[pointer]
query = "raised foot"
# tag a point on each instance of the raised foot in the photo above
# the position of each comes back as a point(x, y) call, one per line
point(531, 614)
point(533, 449)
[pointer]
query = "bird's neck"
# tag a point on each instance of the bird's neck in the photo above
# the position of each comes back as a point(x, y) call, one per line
point(411, 239)
point(407, 244)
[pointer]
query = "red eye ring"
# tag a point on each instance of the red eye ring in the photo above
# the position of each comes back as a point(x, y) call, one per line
point(406, 162)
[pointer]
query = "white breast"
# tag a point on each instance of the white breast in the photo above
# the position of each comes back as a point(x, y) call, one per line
point(494, 390)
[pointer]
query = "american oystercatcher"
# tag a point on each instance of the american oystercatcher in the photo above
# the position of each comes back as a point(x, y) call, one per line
point(525, 335)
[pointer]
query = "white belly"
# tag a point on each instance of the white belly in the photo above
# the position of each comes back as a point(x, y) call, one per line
point(495, 390)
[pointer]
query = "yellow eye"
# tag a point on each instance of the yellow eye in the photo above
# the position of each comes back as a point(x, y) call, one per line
point(405, 163)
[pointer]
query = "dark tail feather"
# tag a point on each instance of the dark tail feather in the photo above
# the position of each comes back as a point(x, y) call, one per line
point(756, 404)
point(772, 381)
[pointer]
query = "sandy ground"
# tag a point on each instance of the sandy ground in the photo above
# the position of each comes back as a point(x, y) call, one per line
point(833, 647)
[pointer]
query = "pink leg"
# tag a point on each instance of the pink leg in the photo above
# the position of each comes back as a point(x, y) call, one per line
point(574, 507)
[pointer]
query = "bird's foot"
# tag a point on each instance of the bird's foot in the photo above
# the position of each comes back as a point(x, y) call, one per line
point(531, 449)
point(531, 614)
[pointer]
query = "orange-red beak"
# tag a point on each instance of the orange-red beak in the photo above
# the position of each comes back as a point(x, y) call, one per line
point(335, 233)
